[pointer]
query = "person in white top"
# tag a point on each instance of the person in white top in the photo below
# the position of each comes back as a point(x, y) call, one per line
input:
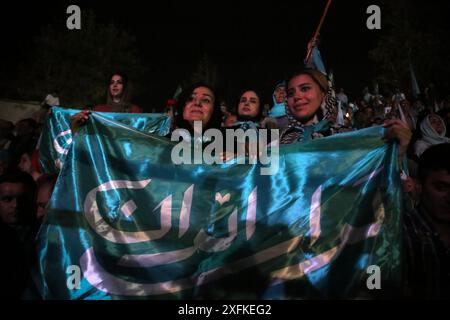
point(433, 132)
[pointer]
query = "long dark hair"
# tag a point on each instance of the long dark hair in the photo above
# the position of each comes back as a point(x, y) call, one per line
point(184, 97)
point(259, 115)
point(124, 103)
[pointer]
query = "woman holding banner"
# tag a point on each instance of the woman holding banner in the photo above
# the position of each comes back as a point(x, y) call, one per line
point(310, 106)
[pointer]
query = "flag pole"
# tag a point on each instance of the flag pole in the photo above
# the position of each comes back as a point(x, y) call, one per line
point(317, 32)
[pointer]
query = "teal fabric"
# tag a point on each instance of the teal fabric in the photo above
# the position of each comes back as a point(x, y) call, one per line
point(56, 135)
point(278, 110)
point(138, 226)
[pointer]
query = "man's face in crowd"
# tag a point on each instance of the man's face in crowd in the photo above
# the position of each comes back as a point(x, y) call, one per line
point(435, 197)
point(12, 200)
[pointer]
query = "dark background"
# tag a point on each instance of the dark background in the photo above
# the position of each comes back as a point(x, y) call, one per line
point(252, 44)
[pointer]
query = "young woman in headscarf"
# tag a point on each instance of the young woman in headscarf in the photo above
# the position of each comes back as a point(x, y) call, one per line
point(310, 105)
point(433, 132)
point(278, 110)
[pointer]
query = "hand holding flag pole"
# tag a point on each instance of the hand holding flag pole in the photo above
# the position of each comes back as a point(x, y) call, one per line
point(314, 39)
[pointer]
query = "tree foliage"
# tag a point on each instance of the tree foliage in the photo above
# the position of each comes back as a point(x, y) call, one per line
point(77, 63)
point(407, 35)
point(206, 71)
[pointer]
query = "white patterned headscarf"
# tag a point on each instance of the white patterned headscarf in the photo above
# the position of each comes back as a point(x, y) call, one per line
point(295, 130)
point(429, 134)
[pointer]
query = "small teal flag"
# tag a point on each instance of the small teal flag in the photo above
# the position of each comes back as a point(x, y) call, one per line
point(56, 135)
point(315, 61)
point(125, 222)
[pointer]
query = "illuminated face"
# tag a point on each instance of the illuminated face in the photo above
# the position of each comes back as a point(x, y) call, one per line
point(200, 106)
point(12, 198)
point(249, 104)
point(437, 124)
point(280, 94)
point(304, 98)
point(435, 195)
point(116, 87)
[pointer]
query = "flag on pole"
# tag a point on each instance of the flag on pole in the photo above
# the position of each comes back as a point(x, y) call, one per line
point(315, 61)
point(313, 58)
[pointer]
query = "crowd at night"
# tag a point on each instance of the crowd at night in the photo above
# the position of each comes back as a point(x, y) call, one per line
point(236, 65)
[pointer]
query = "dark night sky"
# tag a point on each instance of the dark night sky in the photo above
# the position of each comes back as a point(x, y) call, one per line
point(253, 43)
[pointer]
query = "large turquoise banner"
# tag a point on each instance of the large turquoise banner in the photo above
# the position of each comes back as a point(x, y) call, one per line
point(124, 222)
